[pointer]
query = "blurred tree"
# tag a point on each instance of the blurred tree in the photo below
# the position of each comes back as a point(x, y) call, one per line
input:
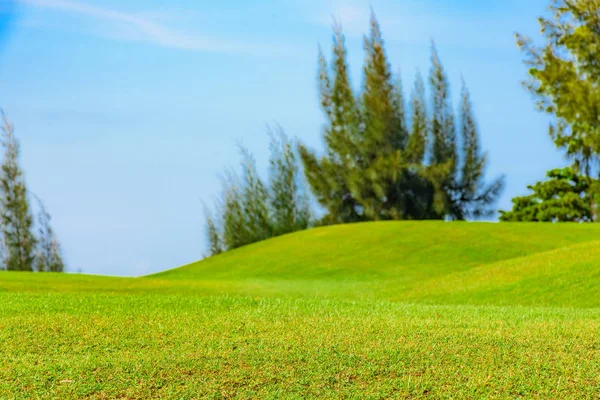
point(472, 197)
point(17, 221)
point(215, 242)
point(328, 176)
point(564, 75)
point(563, 197)
point(49, 255)
point(250, 211)
point(374, 168)
point(288, 202)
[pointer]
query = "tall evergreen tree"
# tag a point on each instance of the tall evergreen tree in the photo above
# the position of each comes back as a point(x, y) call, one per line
point(472, 196)
point(443, 151)
point(374, 168)
point(17, 221)
point(49, 254)
point(418, 141)
point(328, 175)
point(422, 184)
point(378, 183)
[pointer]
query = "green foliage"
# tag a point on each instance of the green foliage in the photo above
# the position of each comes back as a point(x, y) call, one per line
point(235, 233)
point(17, 221)
point(374, 166)
point(215, 241)
point(565, 196)
point(328, 176)
point(49, 254)
point(443, 128)
point(564, 75)
point(418, 141)
point(472, 197)
point(255, 201)
point(289, 205)
point(250, 210)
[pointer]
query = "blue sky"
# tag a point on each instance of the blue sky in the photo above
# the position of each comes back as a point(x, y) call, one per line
point(128, 110)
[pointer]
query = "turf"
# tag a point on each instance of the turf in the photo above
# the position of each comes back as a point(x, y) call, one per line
point(384, 310)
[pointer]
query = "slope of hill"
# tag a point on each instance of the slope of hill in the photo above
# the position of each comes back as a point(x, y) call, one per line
point(475, 263)
point(431, 262)
point(322, 314)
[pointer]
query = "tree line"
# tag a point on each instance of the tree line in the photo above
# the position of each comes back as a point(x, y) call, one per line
point(382, 160)
point(386, 158)
point(22, 248)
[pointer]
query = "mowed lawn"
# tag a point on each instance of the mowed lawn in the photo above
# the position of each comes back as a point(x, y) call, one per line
point(384, 310)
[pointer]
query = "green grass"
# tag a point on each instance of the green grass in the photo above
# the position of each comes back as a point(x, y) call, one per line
point(385, 310)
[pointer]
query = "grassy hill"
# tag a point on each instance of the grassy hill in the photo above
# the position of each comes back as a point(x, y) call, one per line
point(378, 310)
point(431, 262)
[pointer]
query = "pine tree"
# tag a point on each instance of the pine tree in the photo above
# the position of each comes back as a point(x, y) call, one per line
point(328, 175)
point(443, 151)
point(420, 185)
point(374, 168)
point(418, 141)
point(17, 220)
point(289, 205)
point(472, 196)
point(378, 183)
point(49, 255)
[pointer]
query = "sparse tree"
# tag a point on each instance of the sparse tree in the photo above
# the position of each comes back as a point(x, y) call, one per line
point(49, 255)
point(17, 220)
point(250, 211)
point(472, 196)
point(213, 236)
point(288, 202)
point(255, 200)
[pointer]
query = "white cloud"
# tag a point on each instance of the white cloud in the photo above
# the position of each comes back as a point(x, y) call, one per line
point(135, 27)
point(417, 22)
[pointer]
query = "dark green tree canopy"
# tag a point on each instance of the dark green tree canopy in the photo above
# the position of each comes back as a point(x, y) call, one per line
point(380, 165)
point(563, 197)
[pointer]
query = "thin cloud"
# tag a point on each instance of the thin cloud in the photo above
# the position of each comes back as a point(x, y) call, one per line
point(417, 22)
point(144, 29)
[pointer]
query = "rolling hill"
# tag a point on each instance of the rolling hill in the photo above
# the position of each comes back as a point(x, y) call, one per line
point(431, 262)
point(378, 310)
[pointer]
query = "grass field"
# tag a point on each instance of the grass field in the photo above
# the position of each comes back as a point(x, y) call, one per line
point(384, 310)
